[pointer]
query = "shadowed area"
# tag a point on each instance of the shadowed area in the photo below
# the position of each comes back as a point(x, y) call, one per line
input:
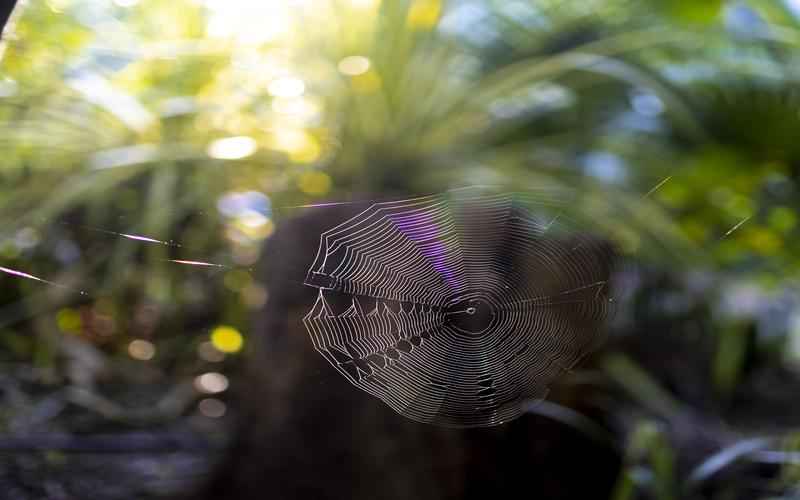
point(313, 435)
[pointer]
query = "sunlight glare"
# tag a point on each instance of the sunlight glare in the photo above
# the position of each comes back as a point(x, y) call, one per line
point(249, 22)
point(286, 86)
point(232, 148)
point(300, 108)
point(299, 145)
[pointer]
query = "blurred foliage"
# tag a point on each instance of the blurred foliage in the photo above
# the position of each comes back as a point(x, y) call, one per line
point(149, 148)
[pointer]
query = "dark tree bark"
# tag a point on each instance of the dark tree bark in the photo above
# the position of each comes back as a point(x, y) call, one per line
point(305, 432)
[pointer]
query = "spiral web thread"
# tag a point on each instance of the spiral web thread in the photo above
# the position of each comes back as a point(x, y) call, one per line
point(463, 305)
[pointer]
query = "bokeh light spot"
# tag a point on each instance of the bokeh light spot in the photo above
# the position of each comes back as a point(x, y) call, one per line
point(354, 65)
point(364, 4)
point(207, 352)
point(211, 383)
point(236, 204)
point(763, 241)
point(69, 320)
point(249, 23)
point(254, 295)
point(250, 228)
point(297, 107)
point(236, 280)
point(424, 14)
point(232, 148)
point(286, 86)
point(299, 145)
point(227, 339)
point(314, 183)
point(212, 408)
point(307, 154)
point(141, 350)
point(782, 219)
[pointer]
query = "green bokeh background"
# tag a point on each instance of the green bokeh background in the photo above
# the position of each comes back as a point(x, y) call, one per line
point(672, 124)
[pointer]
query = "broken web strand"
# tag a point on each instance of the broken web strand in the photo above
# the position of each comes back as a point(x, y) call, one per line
point(129, 236)
point(657, 187)
point(145, 239)
point(736, 226)
point(137, 238)
point(415, 361)
point(24, 275)
point(148, 239)
point(140, 238)
point(727, 233)
point(21, 274)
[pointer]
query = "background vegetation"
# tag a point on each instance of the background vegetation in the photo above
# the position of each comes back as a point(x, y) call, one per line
point(150, 148)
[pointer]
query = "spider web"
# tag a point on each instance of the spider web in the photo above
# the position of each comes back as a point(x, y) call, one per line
point(463, 305)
